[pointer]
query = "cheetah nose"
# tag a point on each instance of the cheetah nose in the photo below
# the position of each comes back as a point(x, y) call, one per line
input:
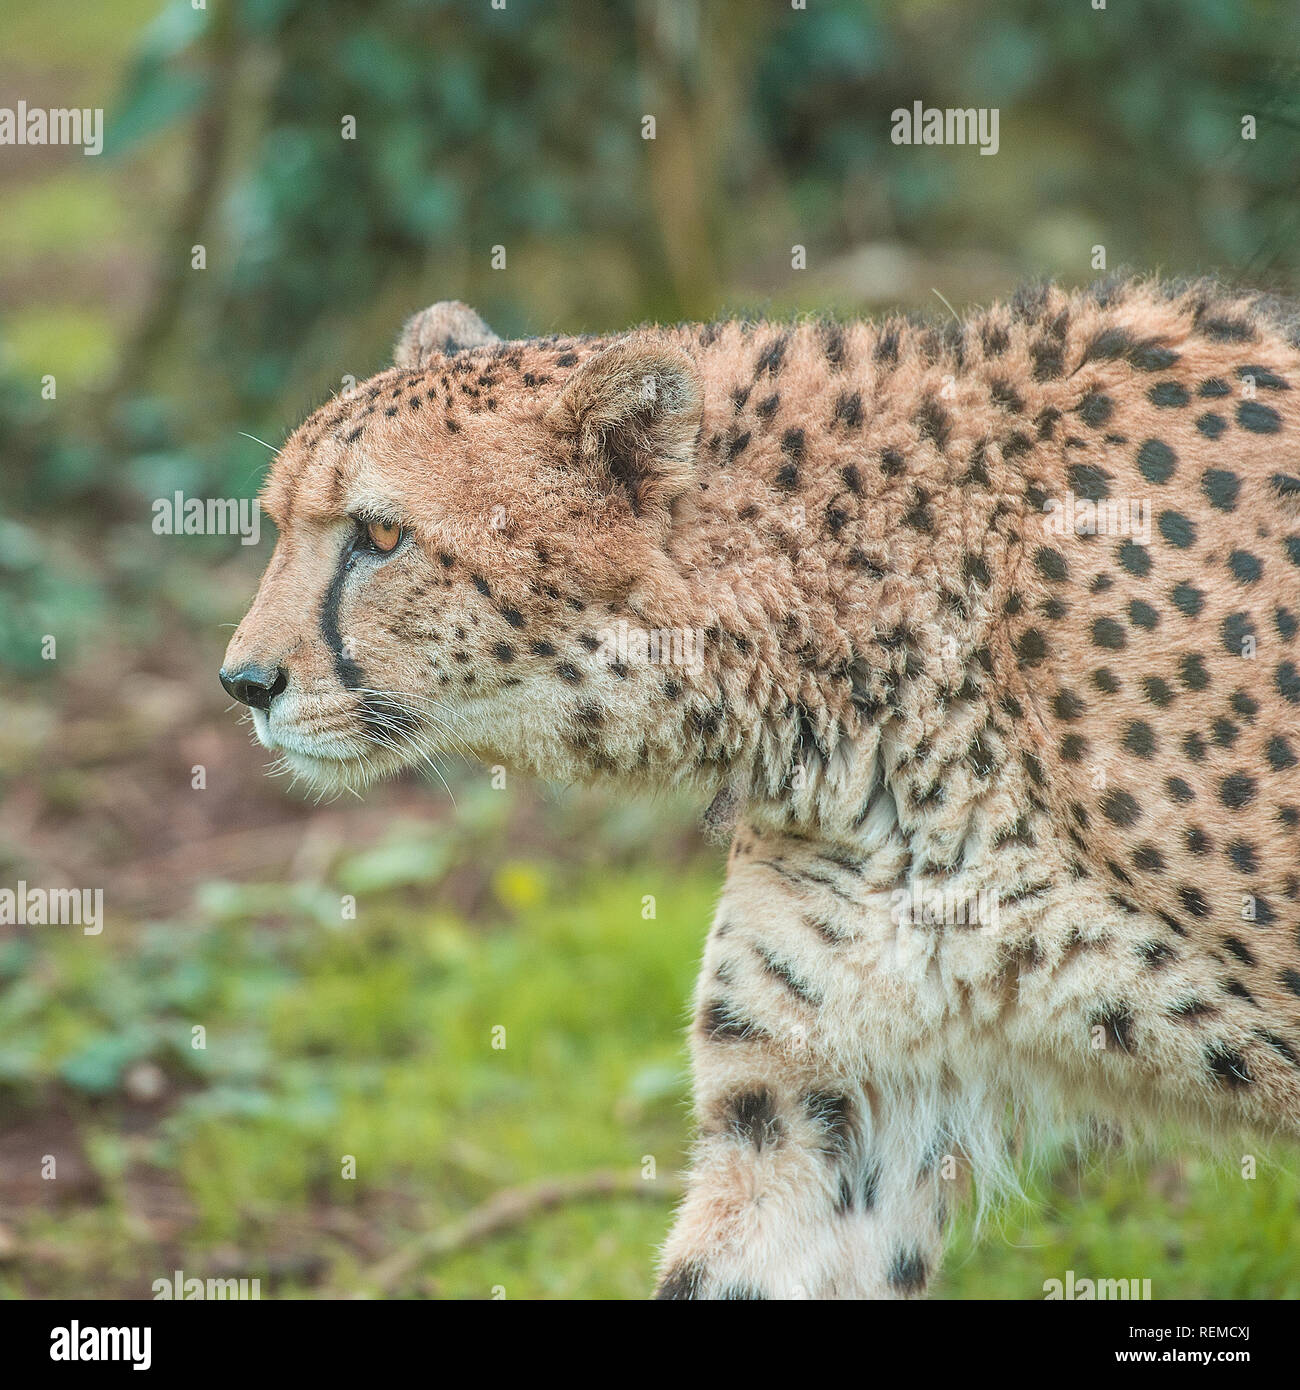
point(255, 686)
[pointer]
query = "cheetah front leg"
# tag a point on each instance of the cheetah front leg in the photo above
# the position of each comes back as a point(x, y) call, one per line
point(800, 1191)
point(818, 1170)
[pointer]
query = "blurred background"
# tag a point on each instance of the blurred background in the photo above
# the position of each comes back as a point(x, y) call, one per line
point(479, 1167)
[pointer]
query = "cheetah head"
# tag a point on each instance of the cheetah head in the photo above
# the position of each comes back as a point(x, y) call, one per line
point(458, 538)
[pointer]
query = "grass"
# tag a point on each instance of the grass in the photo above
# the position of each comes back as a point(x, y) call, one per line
point(441, 1057)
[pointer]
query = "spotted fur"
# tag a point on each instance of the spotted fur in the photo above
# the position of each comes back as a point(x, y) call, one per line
point(912, 683)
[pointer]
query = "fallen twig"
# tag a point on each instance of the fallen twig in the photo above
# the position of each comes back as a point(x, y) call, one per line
point(510, 1207)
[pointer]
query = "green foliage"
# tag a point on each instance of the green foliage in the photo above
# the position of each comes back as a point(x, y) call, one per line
point(374, 1038)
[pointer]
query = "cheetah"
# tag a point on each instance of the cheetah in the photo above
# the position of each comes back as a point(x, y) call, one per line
point(997, 698)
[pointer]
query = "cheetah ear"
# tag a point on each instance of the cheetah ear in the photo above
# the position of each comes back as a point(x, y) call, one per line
point(633, 412)
point(446, 327)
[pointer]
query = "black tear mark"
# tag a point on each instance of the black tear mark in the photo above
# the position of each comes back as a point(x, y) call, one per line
point(350, 675)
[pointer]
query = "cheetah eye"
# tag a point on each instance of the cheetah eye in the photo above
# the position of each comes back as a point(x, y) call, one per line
point(382, 537)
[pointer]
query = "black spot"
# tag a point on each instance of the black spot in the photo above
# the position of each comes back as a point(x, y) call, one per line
point(852, 479)
point(1031, 647)
point(1156, 461)
point(1067, 705)
point(1224, 732)
point(1226, 330)
point(766, 408)
point(1105, 679)
point(1118, 1027)
point(907, 1272)
point(1168, 393)
point(848, 409)
point(1157, 691)
point(1280, 754)
point(1192, 672)
point(1049, 360)
point(1142, 615)
point(1211, 425)
point(1179, 790)
point(1148, 857)
point(1245, 567)
point(683, 1281)
point(1120, 808)
point(1188, 599)
point(835, 1113)
point(1279, 1045)
point(1228, 1066)
point(1235, 630)
point(1073, 747)
point(1270, 381)
point(995, 339)
point(1106, 632)
point(753, 1117)
point(1243, 856)
point(503, 651)
point(975, 570)
point(918, 516)
point(1259, 419)
point(1221, 488)
point(1051, 563)
point(1193, 901)
point(1109, 343)
point(1237, 790)
point(1148, 357)
point(933, 423)
point(720, 1023)
point(1177, 529)
point(1238, 948)
point(1089, 482)
point(1095, 409)
point(1213, 388)
point(1135, 558)
point(1288, 682)
point(833, 344)
point(513, 616)
point(1140, 739)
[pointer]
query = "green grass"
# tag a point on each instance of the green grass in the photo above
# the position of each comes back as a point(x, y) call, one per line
point(373, 1038)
